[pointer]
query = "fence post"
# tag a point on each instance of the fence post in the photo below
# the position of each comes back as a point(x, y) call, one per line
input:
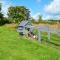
point(39, 36)
point(49, 34)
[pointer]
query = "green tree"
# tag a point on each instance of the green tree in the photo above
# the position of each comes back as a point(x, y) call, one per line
point(1, 16)
point(0, 7)
point(40, 18)
point(18, 13)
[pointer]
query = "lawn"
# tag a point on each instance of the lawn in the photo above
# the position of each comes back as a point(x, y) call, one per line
point(15, 47)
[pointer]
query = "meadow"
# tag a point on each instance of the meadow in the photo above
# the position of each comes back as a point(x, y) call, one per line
point(15, 47)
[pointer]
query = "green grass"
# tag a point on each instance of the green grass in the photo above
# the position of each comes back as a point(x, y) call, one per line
point(53, 42)
point(15, 47)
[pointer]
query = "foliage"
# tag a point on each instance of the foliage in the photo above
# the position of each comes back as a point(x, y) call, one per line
point(1, 16)
point(47, 22)
point(0, 7)
point(18, 13)
point(40, 18)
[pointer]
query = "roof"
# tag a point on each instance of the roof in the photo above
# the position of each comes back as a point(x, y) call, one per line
point(23, 23)
point(29, 26)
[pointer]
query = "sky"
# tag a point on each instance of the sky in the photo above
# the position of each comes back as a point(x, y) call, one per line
point(49, 9)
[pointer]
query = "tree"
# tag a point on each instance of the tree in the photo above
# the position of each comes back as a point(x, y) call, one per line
point(0, 7)
point(40, 18)
point(18, 13)
point(1, 16)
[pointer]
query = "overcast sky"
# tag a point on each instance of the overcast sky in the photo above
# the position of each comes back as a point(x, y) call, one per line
point(49, 9)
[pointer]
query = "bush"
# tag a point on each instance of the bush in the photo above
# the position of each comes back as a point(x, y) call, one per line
point(4, 21)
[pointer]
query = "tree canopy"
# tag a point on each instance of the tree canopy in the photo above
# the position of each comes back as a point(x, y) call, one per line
point(40, 18)
point(18, 13)
point(0, 7)
point(1, 15)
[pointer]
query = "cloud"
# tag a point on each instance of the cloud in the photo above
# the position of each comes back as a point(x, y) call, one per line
point(5, 6)
point(53, 7)
point(52, 10)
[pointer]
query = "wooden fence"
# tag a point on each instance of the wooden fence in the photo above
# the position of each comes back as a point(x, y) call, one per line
point(46, 29)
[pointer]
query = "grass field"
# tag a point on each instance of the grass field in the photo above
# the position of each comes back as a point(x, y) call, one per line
point(15, 47)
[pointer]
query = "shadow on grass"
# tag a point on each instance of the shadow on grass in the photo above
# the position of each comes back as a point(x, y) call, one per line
point(56, 44)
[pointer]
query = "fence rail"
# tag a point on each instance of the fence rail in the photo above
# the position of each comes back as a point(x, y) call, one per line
point(49, 31)
point(46, 29)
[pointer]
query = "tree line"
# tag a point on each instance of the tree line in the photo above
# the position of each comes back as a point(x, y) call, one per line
point(16, 14)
